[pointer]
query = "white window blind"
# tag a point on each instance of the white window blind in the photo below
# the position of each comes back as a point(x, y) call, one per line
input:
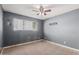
point(18, 24)
point(24, 25)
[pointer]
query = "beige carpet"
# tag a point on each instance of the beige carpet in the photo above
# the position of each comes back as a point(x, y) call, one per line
point(39, 48)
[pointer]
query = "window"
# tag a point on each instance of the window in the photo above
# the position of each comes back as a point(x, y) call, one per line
point(18, 24)
point(24, 25)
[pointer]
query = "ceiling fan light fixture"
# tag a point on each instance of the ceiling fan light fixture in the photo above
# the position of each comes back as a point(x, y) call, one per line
point(42, 10)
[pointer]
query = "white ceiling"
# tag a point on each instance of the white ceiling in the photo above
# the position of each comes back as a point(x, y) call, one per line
point(26, 9)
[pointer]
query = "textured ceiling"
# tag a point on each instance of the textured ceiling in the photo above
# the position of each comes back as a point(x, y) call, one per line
point(26, 9)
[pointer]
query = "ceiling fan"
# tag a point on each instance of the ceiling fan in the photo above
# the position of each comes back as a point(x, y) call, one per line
point(42, 11)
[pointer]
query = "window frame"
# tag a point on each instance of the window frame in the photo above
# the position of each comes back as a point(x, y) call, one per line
point(31, 25)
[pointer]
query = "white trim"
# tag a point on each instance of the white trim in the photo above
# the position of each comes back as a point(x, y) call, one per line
point(23, 43)
point(63, 46)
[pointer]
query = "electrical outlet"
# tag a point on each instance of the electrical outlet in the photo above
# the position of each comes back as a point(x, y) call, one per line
point(64, 42)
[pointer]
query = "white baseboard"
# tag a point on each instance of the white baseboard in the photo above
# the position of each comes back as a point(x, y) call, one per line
point(23, 43)
point(2, 51)
point(63, 46)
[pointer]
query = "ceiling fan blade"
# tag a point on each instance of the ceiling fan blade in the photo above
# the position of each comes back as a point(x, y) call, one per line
point(35, 10)
point(38, 13)
point(49, 10)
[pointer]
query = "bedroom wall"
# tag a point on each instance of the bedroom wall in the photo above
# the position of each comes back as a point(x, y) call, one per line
point(11, 37)
point(66, 31)
point(1, 26)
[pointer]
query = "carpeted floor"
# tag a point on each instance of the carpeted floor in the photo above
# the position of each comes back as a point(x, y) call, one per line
point(39, 48)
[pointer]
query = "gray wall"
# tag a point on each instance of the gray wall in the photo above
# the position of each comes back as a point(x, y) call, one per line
point(11, 37)
point(66, 32)
point(1, 26)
